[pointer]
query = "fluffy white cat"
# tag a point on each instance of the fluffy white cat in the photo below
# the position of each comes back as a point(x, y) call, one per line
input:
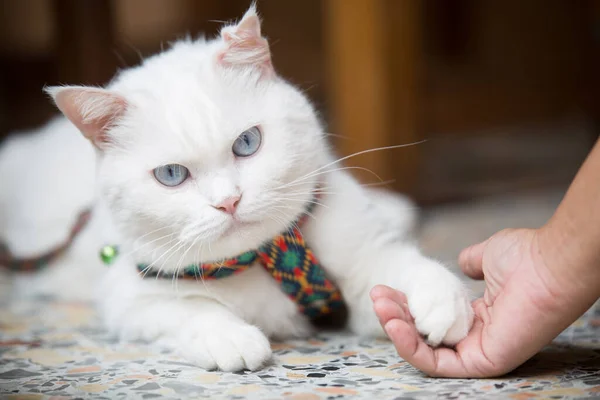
point(172, 185)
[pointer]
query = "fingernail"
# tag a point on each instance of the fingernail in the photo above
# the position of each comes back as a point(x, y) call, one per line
point(386, 329)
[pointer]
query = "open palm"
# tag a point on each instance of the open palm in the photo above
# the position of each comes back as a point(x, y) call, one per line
point(519, 313)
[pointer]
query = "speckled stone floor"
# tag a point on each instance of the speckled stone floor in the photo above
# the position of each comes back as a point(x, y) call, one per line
point(58, 351)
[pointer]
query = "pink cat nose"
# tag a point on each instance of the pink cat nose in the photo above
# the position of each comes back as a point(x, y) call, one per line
point(229, 205)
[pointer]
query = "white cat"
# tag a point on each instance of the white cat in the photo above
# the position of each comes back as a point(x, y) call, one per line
point(205, 153)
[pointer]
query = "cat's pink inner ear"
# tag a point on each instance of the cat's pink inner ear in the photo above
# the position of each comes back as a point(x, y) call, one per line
point(249, 25)
point(92, 110)
point(245, 46)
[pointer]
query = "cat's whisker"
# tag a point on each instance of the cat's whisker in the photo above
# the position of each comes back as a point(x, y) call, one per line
point(151, 232)
point(277, 219)
point(148, 267)
point(319, 190)
point(338, 135)
point(129, 253)
point(134, 242)
point(137, 249)
point(383, 183)
point(220, 262)
point(294, 183)
point(306, 90)
point(200, 270)
point(302, 180)
point(303, 201)
point(178, 242)
point(314, 191)
point(358, 153)
point(281, 203)
point(179, 264)
point(154, 250)
point(282, 210)
point(294, 224)
point(185, 253)
point(315, 172)
point(310, 215)
point(310, 192)
point(179, 247)
point(297, 198)
point(144, 272)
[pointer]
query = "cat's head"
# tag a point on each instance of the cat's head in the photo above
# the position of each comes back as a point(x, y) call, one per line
point(202, 146)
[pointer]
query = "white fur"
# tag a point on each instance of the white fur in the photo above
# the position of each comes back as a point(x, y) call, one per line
point(46, 178)
point(186, 107)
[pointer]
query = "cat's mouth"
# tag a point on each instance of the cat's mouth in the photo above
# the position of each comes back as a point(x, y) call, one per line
point(237, 225)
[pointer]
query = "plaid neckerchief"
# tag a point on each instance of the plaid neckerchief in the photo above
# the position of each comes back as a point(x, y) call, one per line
point(286, 257)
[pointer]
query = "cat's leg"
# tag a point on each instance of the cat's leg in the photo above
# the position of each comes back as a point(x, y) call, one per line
point(201, 329)
point(437, 299)
point(361, 238)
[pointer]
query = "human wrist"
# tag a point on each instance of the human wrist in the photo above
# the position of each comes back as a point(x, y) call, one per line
point(570, 242)
point(572, 260)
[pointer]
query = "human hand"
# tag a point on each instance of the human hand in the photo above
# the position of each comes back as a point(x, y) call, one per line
point(523, 308)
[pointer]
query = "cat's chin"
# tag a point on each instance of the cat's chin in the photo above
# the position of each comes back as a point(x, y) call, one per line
point(239, 235)
point(237, 226)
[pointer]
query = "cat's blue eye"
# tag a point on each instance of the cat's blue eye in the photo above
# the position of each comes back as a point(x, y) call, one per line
point(247, 143)
point(171, 174)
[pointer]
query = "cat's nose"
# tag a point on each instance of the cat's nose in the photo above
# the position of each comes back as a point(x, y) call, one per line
point(229, 205)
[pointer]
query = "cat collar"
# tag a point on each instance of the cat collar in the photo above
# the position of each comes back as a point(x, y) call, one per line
point(286, 257)
point(37, 263)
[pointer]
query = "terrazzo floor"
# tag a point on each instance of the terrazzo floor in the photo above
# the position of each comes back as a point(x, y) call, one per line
point(52, 350)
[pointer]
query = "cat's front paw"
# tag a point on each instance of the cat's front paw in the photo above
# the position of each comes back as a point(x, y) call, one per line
point(230, 346)
point(442, 311)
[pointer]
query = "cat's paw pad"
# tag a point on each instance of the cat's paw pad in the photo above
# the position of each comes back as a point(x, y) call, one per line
point(442, 313)
point(229, 347)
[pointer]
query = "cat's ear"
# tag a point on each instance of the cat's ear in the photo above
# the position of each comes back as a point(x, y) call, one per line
point(245, 46)
point(92, 110)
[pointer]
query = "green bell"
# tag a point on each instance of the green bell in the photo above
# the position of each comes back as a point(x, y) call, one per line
point(108, 254)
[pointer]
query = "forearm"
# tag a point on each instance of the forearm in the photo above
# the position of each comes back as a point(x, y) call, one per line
point(570, 241)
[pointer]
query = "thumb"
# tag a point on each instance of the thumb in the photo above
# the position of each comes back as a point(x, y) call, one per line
point(471, 260)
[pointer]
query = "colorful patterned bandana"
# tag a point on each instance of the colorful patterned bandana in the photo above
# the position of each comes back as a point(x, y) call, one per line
point(287, 258)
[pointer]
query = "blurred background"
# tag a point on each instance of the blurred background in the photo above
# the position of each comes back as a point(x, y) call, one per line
point(504, 91)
